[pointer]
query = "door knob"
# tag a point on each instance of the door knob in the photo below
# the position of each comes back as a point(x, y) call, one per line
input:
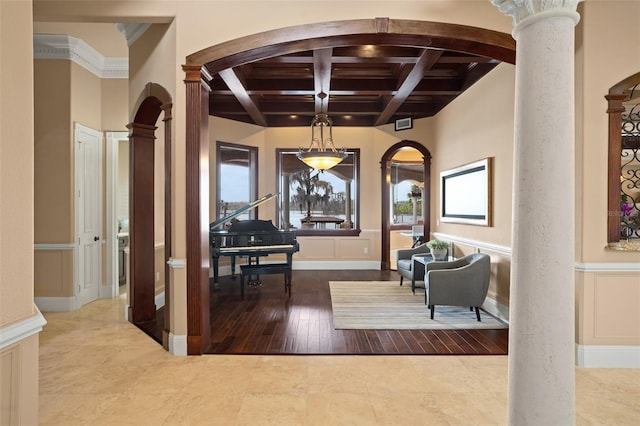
point(96, 238)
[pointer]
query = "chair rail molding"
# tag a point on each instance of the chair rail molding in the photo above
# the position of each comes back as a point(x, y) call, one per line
point(54, 246)
point(506, 251)
point(21, 330)
point(608, 267)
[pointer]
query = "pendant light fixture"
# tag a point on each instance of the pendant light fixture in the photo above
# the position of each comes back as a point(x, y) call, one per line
point(322, 153)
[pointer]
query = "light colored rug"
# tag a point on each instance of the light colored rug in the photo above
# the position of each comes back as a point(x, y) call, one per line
point(384, 305)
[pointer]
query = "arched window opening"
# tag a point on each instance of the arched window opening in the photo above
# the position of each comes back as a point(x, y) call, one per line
point(624, 161)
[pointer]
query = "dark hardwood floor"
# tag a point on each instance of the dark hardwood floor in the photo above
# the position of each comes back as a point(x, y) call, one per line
point(268, 322)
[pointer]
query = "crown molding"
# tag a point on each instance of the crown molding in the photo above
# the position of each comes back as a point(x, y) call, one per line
point(132, 31)
point(65, 47)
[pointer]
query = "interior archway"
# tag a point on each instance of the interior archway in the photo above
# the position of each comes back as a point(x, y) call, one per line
point(201, 65)
point(153, 101)
point(385, 173)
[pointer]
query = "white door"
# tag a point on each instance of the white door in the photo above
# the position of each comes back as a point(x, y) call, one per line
point(88, 163)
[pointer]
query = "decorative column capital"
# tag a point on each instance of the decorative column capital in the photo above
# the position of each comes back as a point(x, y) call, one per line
point(522, 9)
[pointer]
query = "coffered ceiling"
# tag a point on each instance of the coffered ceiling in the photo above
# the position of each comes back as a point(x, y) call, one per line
point(366, 85)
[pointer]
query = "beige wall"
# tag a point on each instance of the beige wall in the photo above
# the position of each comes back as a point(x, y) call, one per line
point(607, 283)
point(65, 93)
point(18, 361)
point(53, 152)
point(468, 130)
point(115, 98)
point(607, 57)
point(86, 98)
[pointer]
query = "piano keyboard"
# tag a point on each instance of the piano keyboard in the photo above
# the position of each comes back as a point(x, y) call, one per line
point(279, 247)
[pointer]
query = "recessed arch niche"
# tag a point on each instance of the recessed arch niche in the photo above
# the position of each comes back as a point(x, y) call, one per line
point(152, 101)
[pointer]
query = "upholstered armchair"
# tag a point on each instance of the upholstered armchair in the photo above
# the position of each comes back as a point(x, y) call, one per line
point(405, 264)
point(461, 282)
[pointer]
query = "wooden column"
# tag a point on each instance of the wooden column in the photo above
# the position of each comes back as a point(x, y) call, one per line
point(141, 242)
point(197, 199)
point(166, 108)
point(615, 111)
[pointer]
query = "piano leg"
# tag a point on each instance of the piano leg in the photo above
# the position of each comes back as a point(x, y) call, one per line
point(233, 267)
point(216, 286)
point(254, 281)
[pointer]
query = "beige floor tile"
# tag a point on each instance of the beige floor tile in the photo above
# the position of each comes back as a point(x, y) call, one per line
point(97, 369)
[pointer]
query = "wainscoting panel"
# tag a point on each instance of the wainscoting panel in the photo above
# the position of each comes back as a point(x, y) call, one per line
point(19, 371)
point(53, 272)
point(498, 296)
point(608, 311)
point(617, 314)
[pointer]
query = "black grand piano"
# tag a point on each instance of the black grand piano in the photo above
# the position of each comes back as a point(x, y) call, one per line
point(249, 238)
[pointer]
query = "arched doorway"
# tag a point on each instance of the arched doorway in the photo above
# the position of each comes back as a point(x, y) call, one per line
point(386, 181)
point(153, 101)
point(201, 65)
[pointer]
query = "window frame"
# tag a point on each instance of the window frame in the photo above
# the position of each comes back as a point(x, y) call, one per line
point(615, 99)
point(252, 154)
point(355, 230)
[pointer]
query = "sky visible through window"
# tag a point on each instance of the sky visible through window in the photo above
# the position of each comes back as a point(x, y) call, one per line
point(235, 186)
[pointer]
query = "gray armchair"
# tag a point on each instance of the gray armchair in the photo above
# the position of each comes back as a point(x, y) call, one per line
point(462, 282)
point(405, 264)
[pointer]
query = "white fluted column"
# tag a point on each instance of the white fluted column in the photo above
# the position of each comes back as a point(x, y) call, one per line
point(541, 335)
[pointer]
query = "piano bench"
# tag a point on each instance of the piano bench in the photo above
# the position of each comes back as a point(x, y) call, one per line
point(265, 269)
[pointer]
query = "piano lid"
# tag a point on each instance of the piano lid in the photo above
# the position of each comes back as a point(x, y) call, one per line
point(218, 223)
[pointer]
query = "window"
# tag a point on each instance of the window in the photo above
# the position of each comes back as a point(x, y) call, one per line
point(318, 203)
point(236, 179)
point(406, 192)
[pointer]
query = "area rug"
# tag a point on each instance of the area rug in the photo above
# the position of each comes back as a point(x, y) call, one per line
point(385, 305)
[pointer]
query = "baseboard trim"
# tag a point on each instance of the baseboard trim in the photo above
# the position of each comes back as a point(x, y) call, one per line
point(56, 304)
point(21, 330)
point(330, 265)
point(597, 356)
point(496, 309)
point(159, 300)
point(177, 345)
point(311, 265)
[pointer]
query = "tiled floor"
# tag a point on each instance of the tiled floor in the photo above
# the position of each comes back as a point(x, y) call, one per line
point(97, 369)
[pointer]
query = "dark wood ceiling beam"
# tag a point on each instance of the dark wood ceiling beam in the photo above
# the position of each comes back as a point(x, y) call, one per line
point(475, 72)
point(427, 60)
point(234, 83)
point(376, 60)
point(322, 77)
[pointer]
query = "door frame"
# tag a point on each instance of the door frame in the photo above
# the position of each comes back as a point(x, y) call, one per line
point(112, 289)
point(385, 170)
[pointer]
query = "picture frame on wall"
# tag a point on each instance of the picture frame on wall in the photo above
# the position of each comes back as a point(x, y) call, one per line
point(466, 194)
